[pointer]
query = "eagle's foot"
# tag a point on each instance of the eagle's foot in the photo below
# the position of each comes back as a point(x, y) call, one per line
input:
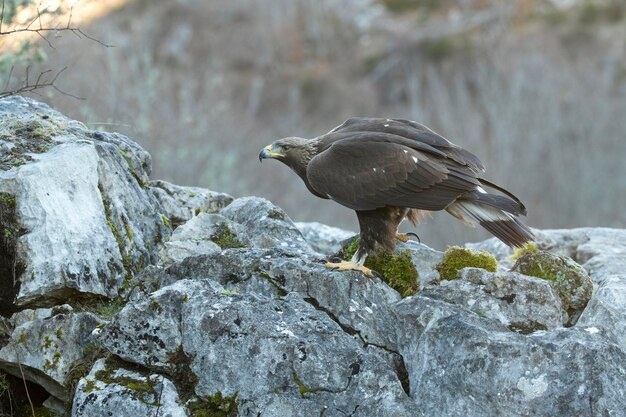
point(349, 266)
point(405, 237)
point(402, 237)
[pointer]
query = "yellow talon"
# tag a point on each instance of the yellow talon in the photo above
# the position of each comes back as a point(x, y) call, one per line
point(349, 266)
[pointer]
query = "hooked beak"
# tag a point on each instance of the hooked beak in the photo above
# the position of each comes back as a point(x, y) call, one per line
point(269, 152)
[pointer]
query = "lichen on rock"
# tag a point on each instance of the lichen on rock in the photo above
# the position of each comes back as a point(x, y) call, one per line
point(567, 277)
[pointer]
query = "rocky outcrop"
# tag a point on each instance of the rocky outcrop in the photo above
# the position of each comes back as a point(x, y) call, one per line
point(81, 216)
point(234, 313)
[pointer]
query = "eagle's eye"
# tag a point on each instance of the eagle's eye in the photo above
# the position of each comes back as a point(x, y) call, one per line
point(285, 147)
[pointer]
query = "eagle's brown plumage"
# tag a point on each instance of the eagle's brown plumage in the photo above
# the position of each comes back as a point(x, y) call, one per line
point(389, 169)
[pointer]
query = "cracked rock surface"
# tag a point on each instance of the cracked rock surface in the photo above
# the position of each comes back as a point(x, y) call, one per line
point(128, 297)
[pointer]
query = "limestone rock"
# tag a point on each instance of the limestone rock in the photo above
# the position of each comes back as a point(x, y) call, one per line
point(360, 304)
point(424, 259)
point(182, 203)
point(523, 304)
point(324, 239)
point(568, 278)
point(266, 225)
point(47, 347)
point(460, 364)
point(82, 218)
point(109, 390)
point(607, 308)
point(204, 233)
point(280, 355)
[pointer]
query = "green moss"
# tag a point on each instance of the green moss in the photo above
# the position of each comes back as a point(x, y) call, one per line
point(22, 339)
point(438, 49)
point(47, 342)
point(403, 6)
point(8, 200)
point(225, 238)
point(29, 134)
point(50, 365)
point(397, 270)
point(456, 258)
point(59, 333)
point(107, 309)
point(214, 406)
point(529, 247)
point(126, 251)
point(154, 305)
point(166, 221)
point(143, 385)
point(302, 387)
point(90, 386)
point(129, 231)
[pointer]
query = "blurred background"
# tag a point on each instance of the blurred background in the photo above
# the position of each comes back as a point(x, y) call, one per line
point(535, 88)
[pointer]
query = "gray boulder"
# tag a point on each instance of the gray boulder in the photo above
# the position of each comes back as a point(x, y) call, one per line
point(111, 390)
point(236, 314)
point(45, 348)
point(182, 203)
point(521, 303)
point(77, 216)
point(280, 356)
point(460, 364)
point(266, 225)
point(322, 238)
point(202, 234)
point(359, 304)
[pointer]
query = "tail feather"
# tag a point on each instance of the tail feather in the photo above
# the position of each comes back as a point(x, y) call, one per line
point(505, 192)
point(499, 219)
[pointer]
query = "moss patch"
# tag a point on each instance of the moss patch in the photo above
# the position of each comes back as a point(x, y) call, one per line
point(143, 387)
point(529, 247)
point(397, 270)
point(456, 258)
point(166, 221)
point(225, 238)
point(302, 386)
point(214, 406)
point(569, 279)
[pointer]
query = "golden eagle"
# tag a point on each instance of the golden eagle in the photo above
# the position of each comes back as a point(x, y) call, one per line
point(391, 169)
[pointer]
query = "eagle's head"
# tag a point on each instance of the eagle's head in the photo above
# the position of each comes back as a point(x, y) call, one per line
point(293, 152)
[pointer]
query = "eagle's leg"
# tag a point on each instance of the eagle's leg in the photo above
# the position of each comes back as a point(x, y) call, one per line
point(412, 215)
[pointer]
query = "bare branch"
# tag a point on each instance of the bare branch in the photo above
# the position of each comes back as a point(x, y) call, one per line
point(43, 80)
point(41, 29)
point(40, 83)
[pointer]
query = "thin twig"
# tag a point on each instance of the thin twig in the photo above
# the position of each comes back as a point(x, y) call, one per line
point(39, 84)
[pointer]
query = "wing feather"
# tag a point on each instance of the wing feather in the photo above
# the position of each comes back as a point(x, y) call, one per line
point(412, 131)
point(365, 173)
